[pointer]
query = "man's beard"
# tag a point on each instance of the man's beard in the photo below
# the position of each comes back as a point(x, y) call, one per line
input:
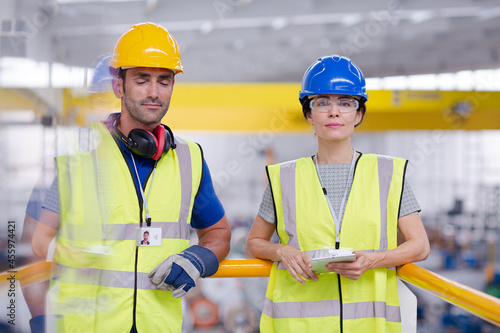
point(142, 116)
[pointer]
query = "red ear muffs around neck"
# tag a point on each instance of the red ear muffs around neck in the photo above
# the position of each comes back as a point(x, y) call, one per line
point(159, 133)
point(143, 143)
point(146, 144)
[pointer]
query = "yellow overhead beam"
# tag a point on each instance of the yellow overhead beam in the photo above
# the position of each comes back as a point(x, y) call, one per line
point(412, 110)
point(19, 100)
point(275, 107)
point(83, 109)
point(237, 107)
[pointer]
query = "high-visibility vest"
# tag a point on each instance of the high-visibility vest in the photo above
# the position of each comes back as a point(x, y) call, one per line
point(304, 222)
point(101, 283)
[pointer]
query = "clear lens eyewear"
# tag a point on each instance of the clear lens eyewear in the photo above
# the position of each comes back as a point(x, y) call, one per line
point(324, 104)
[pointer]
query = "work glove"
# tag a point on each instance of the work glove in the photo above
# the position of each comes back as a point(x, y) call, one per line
point(179, 272)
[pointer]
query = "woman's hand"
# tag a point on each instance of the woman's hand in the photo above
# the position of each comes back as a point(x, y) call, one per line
point(297, 263)
point(258, 245)
point(352, 269)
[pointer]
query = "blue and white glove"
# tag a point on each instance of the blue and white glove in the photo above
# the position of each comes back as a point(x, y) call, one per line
point(179, 272)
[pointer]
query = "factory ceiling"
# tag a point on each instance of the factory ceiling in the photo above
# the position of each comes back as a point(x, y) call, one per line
point(261, 41)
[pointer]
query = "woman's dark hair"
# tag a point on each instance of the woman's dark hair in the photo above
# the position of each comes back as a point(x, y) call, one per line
point(306, 109)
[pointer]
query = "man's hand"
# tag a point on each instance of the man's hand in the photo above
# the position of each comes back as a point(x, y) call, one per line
point(179, 272)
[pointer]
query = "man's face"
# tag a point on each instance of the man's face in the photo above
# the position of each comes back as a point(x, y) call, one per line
point(146, 93)
point(146, 236)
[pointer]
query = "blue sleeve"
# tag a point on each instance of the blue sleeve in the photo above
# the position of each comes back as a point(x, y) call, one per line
point(207, 209)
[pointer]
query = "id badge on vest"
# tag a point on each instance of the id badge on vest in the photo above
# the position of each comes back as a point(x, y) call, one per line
point(148, 236)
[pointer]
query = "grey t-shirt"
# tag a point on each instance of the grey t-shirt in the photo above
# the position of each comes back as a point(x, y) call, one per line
point(334, 178)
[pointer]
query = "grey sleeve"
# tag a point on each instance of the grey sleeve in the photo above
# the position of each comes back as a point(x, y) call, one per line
point(409, 203)
point(51, 201)
point(266, 209)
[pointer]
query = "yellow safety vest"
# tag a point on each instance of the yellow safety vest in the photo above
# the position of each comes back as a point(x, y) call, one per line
point(101, 283)
point(335, 303)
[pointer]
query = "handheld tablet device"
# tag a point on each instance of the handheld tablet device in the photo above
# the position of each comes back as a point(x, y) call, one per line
point(319, 263)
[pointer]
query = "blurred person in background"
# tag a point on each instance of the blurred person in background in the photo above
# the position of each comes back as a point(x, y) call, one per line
point(338, 198)
point(31, 291)
point(116, 179)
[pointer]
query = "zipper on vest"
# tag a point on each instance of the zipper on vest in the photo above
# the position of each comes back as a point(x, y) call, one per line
point(134, 309)
point(341, 306)
point(337, 246)
point(134, 327)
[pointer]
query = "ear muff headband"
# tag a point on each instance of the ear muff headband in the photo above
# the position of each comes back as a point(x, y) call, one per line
point(169, 138)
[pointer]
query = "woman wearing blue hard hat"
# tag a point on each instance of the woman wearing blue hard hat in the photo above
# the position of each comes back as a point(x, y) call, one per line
point(337, 215)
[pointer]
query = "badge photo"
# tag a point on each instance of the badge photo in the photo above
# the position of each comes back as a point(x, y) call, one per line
point(149, 237)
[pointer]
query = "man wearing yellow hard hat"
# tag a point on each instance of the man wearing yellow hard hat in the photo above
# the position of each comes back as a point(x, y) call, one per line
point(119, 179)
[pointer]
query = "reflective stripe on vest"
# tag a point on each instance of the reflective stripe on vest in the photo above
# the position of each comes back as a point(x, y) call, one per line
point(103, 277)
point(331, 308)
point(184, 155)
point(96, 253)
point(374, 199)
point(117, 232)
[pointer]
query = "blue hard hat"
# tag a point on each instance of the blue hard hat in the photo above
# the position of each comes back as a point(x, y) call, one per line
point(333, 74)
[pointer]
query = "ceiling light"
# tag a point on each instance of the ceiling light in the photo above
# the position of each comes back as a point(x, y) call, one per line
point(351, 19)
point(420, 16)
point(395, 82)
point(279, 23)
point(488, 14)
point(207, 27)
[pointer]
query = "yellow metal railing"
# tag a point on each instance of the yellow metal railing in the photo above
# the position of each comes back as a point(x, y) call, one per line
point(243, 268)
point(476, 302)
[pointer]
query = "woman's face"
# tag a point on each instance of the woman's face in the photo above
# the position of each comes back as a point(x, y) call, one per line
point(333, 117)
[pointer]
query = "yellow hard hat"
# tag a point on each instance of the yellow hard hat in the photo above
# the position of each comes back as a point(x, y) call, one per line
point(147, 45)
